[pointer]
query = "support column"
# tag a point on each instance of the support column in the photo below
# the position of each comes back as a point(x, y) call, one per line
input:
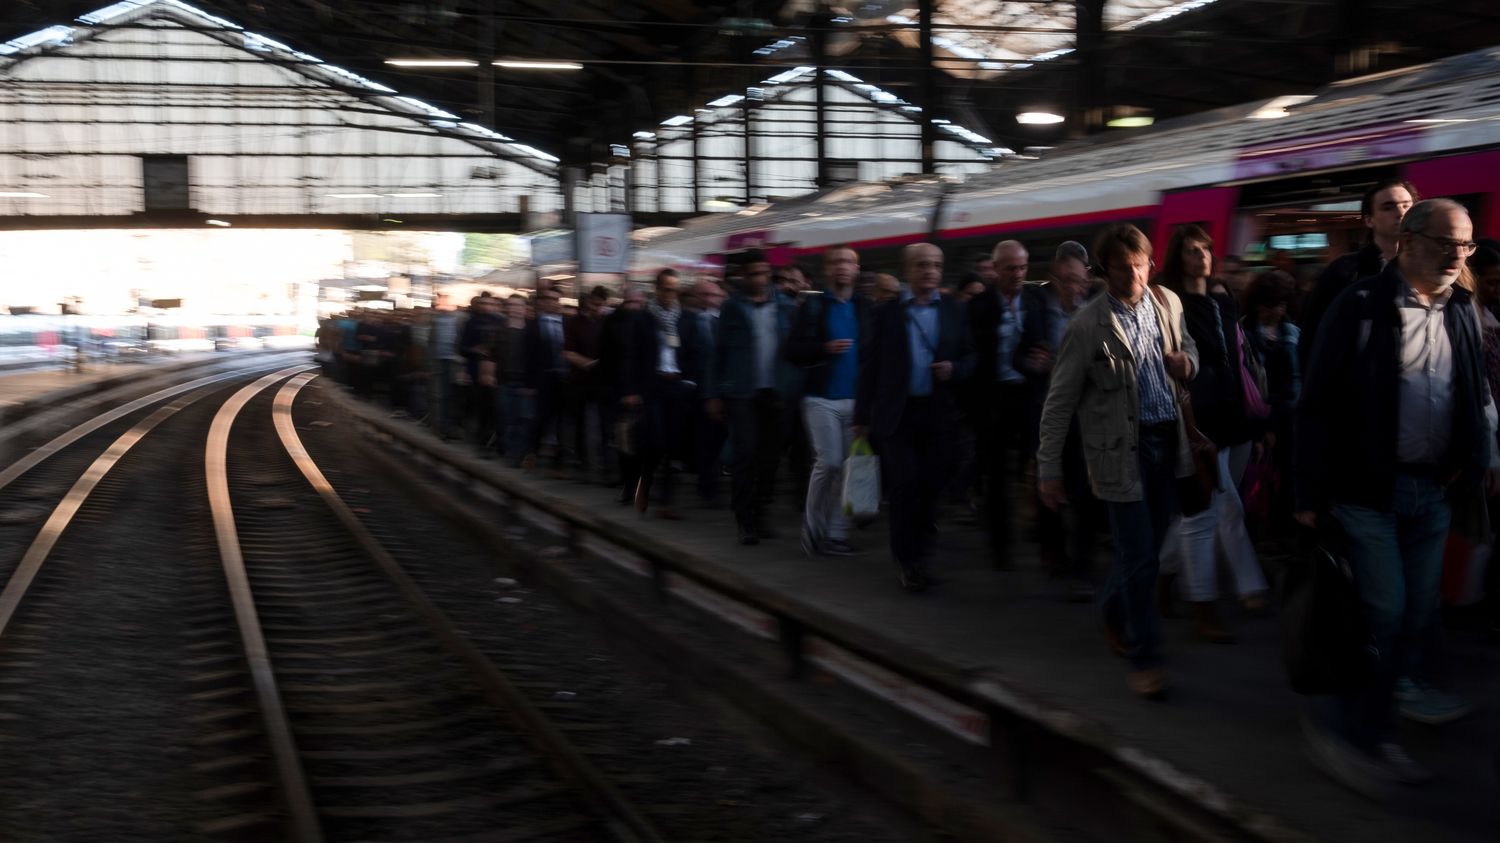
point(486, 76)
point(692, 110)
point(1086, 114)
point(820, 24)
point(747, 150)
point(929, 84)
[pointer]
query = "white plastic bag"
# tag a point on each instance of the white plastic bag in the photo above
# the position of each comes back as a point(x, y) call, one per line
point(861, 481)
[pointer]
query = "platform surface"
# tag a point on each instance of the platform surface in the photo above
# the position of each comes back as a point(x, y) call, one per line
point(1231, 719)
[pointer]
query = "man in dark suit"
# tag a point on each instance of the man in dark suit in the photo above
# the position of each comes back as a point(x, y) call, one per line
point(700, 339)
point(545, 370)
point(920, 350)
point(750, 387)
point(996, 318)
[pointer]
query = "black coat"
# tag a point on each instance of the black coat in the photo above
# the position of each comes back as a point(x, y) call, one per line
point(1347, 423)
point(541, 356)
point(1335, 278)
point(1218, 389)
point(804, 345)
point(628, 352)
point(700, 337)
point(984, 323)
point(885, 371)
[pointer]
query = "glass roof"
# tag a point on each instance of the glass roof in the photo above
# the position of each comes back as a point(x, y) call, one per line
point(993, 36)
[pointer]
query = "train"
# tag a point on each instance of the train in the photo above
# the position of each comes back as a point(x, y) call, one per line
point(1272, 180)
point(36, 339)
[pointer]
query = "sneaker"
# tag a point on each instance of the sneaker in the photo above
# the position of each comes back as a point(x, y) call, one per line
point(839, 547)
point(1425, 704)
point(1358, 771)
point(1401, 766)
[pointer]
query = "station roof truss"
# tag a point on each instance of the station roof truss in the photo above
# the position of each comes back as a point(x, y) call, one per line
point(259, 129)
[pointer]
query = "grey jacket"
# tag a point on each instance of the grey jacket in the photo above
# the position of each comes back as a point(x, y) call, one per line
point(1095, 376)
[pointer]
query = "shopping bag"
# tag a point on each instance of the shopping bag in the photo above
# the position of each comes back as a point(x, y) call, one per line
point(861, 480)
point(1325, 645)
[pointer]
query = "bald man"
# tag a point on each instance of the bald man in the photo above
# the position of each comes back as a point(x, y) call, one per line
point(997, 320)
point(919, 352)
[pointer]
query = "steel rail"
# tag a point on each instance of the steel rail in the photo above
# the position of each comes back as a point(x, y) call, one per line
point(302, 815)
point(21, 466)
point(625, 822)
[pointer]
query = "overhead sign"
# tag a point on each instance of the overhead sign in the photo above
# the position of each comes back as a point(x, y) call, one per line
point(603, 243)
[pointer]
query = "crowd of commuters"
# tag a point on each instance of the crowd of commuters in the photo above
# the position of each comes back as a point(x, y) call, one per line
point(1189, 411)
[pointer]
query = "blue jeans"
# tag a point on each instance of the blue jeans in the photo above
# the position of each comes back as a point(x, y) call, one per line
point(1397, 557)
point(1138, 528)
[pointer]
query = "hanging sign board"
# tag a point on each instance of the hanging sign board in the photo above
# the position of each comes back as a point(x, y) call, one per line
point(603, 243)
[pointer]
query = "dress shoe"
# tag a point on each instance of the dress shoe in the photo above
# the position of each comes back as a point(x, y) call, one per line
point(839, 547)
point(1150, 683)
point(667, 513)
point(1256, 604)
point(528, 462)
point(913, 582)
point(1114, 639)
point(1208, 626)
point(748, 536)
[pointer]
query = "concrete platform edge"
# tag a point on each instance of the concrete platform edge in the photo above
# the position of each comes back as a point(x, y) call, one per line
point(1020, 723)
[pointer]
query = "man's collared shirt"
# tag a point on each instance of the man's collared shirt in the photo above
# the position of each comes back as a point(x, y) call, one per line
point(1008, 332)
point(922, 330)
point(1143, 332)
point(552, 325)
point(1424, 418)
point(763, 319)
point(843, 370)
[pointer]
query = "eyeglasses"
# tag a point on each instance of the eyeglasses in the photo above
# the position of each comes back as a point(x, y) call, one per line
point(1457, 247)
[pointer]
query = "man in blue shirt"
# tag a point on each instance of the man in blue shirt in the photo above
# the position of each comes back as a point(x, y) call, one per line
point(826, 342)
point(918, 352)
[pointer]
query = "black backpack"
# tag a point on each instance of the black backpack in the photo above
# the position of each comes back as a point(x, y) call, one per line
point(1325, 643)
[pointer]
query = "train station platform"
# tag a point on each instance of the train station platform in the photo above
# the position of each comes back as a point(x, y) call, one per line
point(21, 389)
point(1228, 736)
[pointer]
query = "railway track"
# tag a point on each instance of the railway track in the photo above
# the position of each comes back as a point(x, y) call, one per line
point(322, 695)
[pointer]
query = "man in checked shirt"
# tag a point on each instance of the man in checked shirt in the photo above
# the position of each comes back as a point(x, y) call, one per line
point(1114, 368)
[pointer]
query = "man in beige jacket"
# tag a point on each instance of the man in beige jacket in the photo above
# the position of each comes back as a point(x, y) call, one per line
point(1115, 368)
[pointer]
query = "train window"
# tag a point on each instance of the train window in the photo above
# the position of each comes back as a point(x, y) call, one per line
point(1315, 242)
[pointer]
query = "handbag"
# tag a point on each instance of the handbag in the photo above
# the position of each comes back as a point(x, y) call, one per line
point(1252, 379)
point(1196, 491)
point(1325, 645)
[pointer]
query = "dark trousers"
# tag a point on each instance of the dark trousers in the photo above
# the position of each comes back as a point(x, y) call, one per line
point(550, 411)
point(1067, 534)
point(1003, 451)
point(664, 424)
point(917, 460)
point(708, 446)
point(798, 451)
point(755, 429)
point(1139, 528)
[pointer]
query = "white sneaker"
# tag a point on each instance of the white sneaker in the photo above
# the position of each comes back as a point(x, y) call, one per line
point(1423, 703)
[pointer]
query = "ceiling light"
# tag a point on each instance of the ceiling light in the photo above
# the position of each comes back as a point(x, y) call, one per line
point(539, 65)
point(415, 195)
point(21, 194)
point(218, 223)
point(726, 100)
point(355, 196)
point(679, 120)
point(431, 63)
point(1136, 122)
point(1039, 118)
point(1441, 120)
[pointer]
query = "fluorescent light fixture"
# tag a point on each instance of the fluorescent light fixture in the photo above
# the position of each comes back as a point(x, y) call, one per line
point(1136, 122)
point(219, 223)
point(841, 75)
point(21, 194)
point(1277, 108)
point(534, 152)
point(1438, 120)
point(1039, 118)
point(539, 65)
point(727, 99)
point(431, 63)
point(414, 195)
point(355, 196)
point(644, 135)
point(679, 120)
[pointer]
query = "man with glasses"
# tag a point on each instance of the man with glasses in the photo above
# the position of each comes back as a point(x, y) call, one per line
point(1395, 422)
point(1114, 368)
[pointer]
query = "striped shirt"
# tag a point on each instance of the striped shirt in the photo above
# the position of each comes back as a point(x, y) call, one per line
point(1143, 331)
